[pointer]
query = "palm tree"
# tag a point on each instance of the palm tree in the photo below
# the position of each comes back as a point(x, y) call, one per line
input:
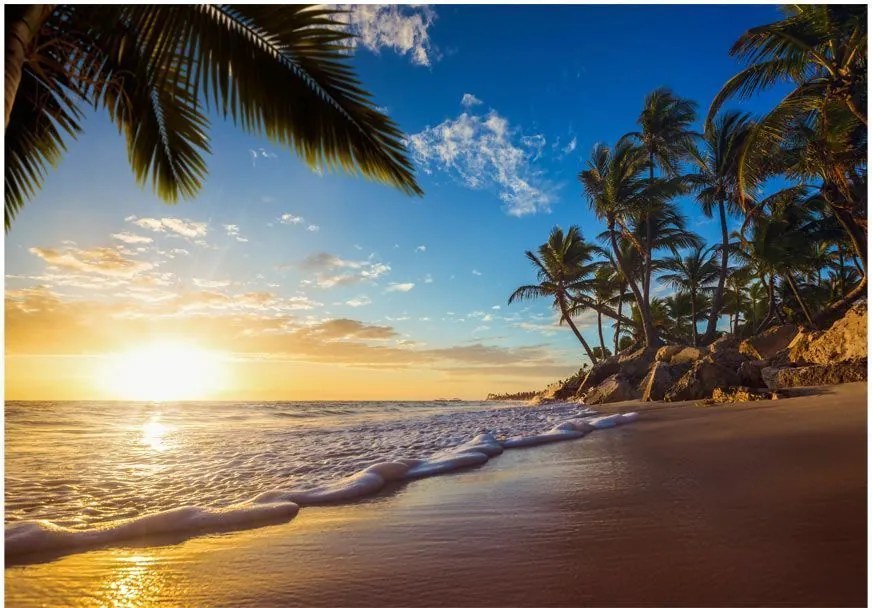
point(616, 190)
point(604, 290)
point(158, 70)
point(665, 135)
point(716, 185)
point(563, 265)
point(819, 48)
point(692, 274)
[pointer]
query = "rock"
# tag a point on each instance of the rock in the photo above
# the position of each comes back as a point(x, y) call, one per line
point(614, 388)
point(741, 394)
point(561, 391)
point(701, 380)
point(657, 382)
point(665, 353)
point(598, 373)
point(749, 373)
point(633, 366)
point(844, 341)
point(725, 350)
point(814, 375)
point(767, 344)
point(688, 354)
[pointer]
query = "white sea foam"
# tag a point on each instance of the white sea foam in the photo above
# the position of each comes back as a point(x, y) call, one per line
point(284, 455)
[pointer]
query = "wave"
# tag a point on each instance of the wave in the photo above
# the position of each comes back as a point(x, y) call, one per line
point(25, 538)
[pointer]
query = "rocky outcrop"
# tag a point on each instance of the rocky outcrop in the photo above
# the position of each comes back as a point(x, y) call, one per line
point(701, 380)
point(657, 382)
point(725, 350)
point(614, 388)
point(563, 390)
point(768, 343)
point(675, 355)
point(844, 341)
point(742, 394)
point(632, 366)
point(750, 373)
point(815, 375)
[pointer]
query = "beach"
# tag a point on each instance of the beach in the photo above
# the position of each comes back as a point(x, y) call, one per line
point(752, 504)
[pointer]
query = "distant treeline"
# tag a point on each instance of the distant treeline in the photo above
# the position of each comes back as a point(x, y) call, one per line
point(523, 396)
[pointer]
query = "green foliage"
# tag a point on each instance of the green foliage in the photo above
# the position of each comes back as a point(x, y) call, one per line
point(280, 71)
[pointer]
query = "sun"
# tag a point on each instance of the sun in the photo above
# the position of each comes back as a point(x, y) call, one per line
point(165, 371)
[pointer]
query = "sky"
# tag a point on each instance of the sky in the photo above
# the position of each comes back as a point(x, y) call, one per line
point(277, 282)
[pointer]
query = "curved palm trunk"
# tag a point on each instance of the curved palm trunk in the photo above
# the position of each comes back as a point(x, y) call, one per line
point(790, 282)
point(718, 298)
point(771, 310)
point(852, 106)
point(568, 319)
point(648, 329)
point(837, 309)
point(19, 38)
point(618, 327)
point(693, 318)
point(599, 326)
point(646, 281)
point(854, 230)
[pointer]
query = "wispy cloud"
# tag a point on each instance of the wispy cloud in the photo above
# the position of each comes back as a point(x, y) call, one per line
point(332, 271)
point(290, 218)
point(358, 301)
point(313, 228)
point(400, 287)
point(476, 272)
point(232, 231)
point(468, 100)
point(132, 239)
point(421, 248)
point(403, 29)
point(483, 152)
point(181, 227)
point(100, 260)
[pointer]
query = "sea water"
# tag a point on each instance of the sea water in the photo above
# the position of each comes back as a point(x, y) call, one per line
point(81, 474)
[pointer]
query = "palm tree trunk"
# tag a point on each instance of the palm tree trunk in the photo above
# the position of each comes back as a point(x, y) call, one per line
point(771, 310)
point(736, 312)
point(618, 327)
point(789, 278)
point(852, 105)
point(854, 230)
point(577, 333)
point(599, 326)
point(646, 283)
point(20, 33)
point(693, 317)
point(717, 300)
point(648, 329)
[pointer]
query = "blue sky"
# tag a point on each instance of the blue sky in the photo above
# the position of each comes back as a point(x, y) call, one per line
point(502, 106)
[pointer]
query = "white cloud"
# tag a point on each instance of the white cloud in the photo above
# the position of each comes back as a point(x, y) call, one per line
point(421, 248)
point(332, 271)
point(400, 28)
point(428, 278)
point(497, 307)
point(400, 287)
point(359, 301)
point(486, 153)
point(570, 147)
point(289, 218)
point(313, 228)
point(470, 100)
point(233, 232)
point(181, 227)
point(208, 284)
point(476, 272)
point(130, 238)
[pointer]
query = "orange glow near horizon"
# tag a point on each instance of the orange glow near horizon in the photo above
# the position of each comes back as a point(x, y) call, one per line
point(164, 371)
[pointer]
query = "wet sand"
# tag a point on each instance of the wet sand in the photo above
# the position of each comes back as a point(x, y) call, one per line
point(757, 504)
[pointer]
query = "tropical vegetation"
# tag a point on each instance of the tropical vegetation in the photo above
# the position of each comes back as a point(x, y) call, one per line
point(794, 179)
point(159, 71)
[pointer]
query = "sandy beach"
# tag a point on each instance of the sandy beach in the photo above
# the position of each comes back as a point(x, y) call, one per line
point(756, 504)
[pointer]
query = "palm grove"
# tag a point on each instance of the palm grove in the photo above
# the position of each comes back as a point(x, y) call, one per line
point(800, 254)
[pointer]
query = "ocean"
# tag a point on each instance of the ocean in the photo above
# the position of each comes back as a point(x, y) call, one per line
point(82, 474)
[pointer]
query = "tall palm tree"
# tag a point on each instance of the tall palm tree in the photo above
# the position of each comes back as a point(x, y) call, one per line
point(616, 190)
point(715, 182)
point(158, 70)
point(666, 136)
point(604, 290)
point(694, 274)
point(821, 49)
point(563, 264)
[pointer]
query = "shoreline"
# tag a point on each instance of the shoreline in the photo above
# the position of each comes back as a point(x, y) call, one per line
point(762, 503)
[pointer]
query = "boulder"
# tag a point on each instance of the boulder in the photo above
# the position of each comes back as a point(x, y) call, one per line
point(725, 350)
point(750, 373)
point(768, 343)
point(612, 389)
point(741, 394)
point(665, 353)
point(688, 354)
point(562, 390)
point(844, 341)
point(657, 382)
point(701, 380)
point(814, 375)
point(598, 373)
point(635, 365)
